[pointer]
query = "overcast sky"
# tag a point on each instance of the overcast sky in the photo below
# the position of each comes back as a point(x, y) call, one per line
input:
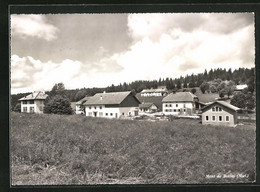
point(96, 50)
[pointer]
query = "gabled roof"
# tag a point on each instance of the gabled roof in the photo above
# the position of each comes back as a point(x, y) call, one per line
point(223, 103)
point(35, 96)
point(179, 97)
point(108, 98)
point(145, 105)
point(82, 101)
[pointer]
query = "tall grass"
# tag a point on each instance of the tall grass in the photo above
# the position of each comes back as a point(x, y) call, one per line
point(58, 149)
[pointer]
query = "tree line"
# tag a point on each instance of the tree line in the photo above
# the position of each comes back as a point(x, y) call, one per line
point(238, 76)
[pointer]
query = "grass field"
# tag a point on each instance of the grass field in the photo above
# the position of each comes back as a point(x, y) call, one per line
point(54, 149)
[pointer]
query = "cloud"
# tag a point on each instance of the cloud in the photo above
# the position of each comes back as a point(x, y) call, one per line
point(171, 45)
point(33, 26)
point(160, 46)
point(154, 24)
point(30, 74)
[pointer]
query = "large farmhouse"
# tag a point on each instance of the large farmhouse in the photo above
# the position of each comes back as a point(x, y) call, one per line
point(220, 113)
point(180, 103)
point(112, 105)
point(33, 103)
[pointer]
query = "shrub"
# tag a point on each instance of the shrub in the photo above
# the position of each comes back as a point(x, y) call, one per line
point(58, 105)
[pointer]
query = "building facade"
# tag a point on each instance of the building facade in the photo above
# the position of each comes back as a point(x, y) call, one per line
point(180, 103)
point(112, 105)
point(33, 103)
point(219, 113)
point(154, 92)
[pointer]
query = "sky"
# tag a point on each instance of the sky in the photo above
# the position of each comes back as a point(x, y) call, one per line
point(98, 50)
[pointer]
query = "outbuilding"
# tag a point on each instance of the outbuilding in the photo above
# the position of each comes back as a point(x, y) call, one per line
point(79, 106)
point(148, 107)
point(220, 113)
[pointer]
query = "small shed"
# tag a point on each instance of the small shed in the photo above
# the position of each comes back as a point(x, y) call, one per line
point(148, 107)
point(220, 113)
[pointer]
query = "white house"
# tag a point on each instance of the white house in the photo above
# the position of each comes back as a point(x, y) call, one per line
point(180, 103)
point(80, 105)
point(33, 103)
point(112, 105)
point(154, 92)
point(148, 107)
point(220, 113)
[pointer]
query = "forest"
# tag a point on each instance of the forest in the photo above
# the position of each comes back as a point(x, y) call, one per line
point(238, 76)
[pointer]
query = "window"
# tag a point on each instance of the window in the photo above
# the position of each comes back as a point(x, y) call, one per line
point(24, 102)
point(184, 110)
point(100, 114)
point(176, 105)
point(89, 113)
point(166, 105)
point(170, 105)
point(184, 105)
point(129, 113)
point(24, 109)
point(213, 118)
point(106, 114)
point(220, 109)
point(100, 107)
point(166, 110)
point(123, 113)
point(41, 108)
point(111, 114)
point(179, 110)
point(89, 107)
point(216, 108)
point(31, 109)
point(227, 118)
point(219, 118)
point(31, 101)
point(213, 108)
point(174, 110)
point(95, 107)
point(207, 118)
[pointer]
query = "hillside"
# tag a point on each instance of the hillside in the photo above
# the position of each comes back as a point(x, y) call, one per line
point(56, 149)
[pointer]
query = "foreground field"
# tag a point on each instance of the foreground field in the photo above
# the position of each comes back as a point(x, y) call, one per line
point(53, 149)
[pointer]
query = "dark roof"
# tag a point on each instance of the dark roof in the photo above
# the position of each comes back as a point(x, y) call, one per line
point(34, 96)
point(108, 98)
point(179, 96)
point(145, 105)
point(82, 101)
point(223, 103)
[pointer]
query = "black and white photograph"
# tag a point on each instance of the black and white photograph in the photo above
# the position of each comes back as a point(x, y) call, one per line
point(132, 98)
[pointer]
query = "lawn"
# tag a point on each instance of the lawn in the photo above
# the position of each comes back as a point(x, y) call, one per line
point(56, 149)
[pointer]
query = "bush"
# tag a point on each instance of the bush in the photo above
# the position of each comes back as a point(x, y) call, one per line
point(58, 105)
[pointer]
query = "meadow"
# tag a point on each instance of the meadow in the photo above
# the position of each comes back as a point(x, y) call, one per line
point(70, 150)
